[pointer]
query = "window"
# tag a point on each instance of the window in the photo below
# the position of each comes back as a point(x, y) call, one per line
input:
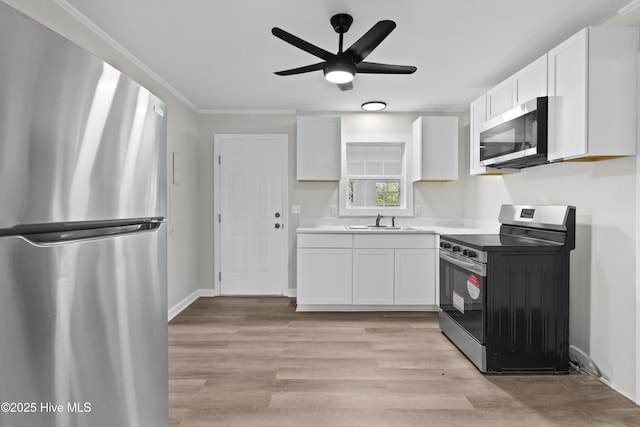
point(374, 177)
point(374, 192)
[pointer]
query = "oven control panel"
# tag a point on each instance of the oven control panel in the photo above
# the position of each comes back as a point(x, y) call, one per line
point(463, 251)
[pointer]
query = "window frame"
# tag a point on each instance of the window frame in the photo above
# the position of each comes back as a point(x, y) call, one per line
point(406, 184)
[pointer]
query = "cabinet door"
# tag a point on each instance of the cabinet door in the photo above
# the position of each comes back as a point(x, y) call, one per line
point(567, 135)
point(531, 81)
point(500, 99)
point(318, 148)
point(415, 276)
point(478, 115)
point(324, 276)
point(373, 276)
point(435, 148)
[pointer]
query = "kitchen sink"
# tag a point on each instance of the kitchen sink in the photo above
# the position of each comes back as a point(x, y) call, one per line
point(377, 228)
point(399, 228)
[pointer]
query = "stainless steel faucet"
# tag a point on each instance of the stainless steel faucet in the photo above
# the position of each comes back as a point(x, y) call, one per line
point(378, 220)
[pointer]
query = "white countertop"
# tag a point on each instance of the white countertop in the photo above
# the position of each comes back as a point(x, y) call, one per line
point(335, 225)
point(337, 229)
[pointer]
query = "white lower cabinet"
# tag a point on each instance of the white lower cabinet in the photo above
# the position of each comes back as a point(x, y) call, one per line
point(324, 276)
point(415, 276)
point(366, 271)
point(397, 269)
point(373, 276)
point(325, 269)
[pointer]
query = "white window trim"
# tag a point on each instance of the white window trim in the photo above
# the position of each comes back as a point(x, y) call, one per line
point(406, 209)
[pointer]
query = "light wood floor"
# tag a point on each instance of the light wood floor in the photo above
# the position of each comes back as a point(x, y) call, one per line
point(256, 362)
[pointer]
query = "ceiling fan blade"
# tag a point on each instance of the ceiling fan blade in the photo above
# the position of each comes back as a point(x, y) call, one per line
point(345, 86)
point(365, 45)
point(301, 44)
point(374, 68)
point(300, 70)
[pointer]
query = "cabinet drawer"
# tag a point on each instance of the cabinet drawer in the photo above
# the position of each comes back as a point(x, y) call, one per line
point(409, 241)
point(324, 240)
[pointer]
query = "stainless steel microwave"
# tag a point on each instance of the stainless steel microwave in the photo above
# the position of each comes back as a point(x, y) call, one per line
point(516, 139)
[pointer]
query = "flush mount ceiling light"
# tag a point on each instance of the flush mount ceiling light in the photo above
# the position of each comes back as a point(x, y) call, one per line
point(374, 106)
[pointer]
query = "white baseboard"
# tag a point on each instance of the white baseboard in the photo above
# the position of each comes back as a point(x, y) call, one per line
point(291, 293)
point(364, 308)
point(188, 300)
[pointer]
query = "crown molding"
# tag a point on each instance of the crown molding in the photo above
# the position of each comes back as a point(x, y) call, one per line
point(71, 10)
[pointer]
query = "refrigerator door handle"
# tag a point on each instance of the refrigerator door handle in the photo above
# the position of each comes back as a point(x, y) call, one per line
point(67, 236)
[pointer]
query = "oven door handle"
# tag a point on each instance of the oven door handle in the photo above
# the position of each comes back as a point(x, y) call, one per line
point(480, 270)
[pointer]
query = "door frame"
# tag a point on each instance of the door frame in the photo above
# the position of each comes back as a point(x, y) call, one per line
point(217, 259)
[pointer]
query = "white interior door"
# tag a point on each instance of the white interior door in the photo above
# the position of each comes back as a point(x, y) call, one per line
point(253, 172)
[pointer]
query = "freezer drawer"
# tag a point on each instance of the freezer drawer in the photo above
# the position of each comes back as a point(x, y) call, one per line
point(84, 326)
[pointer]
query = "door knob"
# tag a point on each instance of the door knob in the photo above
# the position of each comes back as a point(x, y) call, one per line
point(277, 214)
point(277, 225)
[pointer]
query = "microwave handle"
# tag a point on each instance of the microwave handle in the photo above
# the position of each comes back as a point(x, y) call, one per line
point(480, 270)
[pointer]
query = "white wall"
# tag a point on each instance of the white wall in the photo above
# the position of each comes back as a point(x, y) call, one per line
point(182, 137)
point(314, 198)
point(603, 268)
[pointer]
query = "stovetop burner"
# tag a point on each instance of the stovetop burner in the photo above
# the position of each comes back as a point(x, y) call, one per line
point(499, 242)
point(523, 229)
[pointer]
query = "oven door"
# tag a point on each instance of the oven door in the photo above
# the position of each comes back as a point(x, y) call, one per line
point(462, 292)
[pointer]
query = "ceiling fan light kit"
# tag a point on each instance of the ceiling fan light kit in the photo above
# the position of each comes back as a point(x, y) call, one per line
point(341, 68)
point(374, 106)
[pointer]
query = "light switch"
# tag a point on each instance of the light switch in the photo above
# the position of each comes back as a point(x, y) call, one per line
point(417, 210)
point(295, 209)
point(178, 167)
point(334, 210)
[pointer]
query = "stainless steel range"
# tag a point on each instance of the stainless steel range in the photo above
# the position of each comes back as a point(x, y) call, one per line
point(504, 298)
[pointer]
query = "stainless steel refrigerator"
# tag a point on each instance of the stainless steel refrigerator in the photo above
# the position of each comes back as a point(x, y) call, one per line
point(83, 316)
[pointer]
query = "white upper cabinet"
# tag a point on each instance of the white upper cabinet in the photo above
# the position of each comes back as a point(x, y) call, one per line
point(478, 115)
point(500, 99)
point(435, 148)
point(592, 94)
point(318, 148)
point(523, 86)
point(530, 82)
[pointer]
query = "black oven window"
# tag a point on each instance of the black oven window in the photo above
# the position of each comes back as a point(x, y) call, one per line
point(462, 296)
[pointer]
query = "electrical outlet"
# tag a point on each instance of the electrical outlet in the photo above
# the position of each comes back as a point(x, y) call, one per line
point(334, 210)
point(417, 210)
point(295, 209)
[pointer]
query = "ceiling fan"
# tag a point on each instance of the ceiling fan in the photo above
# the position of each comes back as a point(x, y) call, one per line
point(340, 68)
